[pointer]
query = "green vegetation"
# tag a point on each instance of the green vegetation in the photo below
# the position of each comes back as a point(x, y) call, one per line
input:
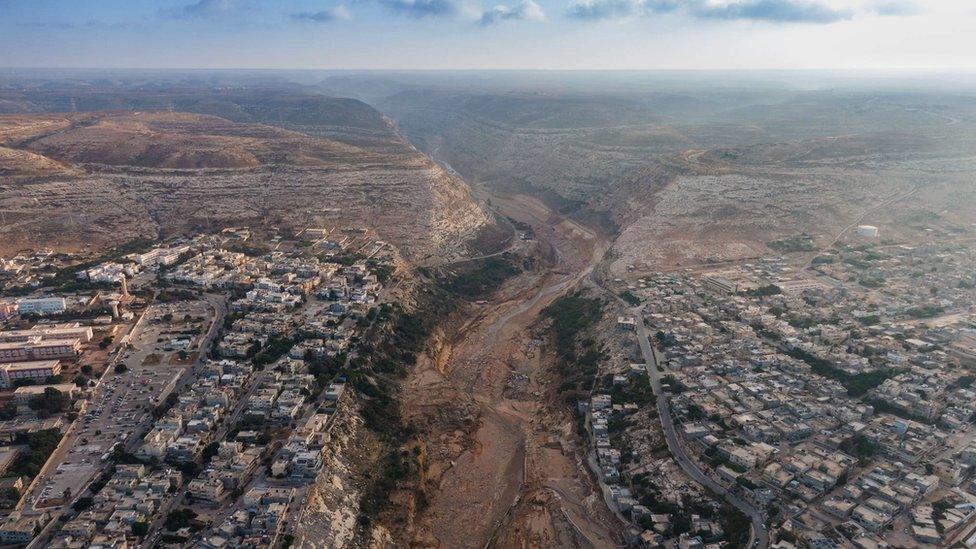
point(276, 347)
point(346, 259)
point(664, 340)
point(383, 271)
point(856, 385)
point(82, 503)
point(179, 518)
point(249, 249)
point(964, 382)
point(925, 311)
point(630, 298)
point(577, 357)
point(871, 281)
point(175, 294)
point(763, 291)
point(51, 401)
point(746, 483)
point(860, 447)
point(802, 323)
point(397, 466)
point(939, 509)
point(883, 407)
point(736, 525)
point(9, 410)
point(798, 243)
point(487, 276)
point(570, 316)
point(637, 390)
point(391, 344)
point(40, 444)
point(9, 497)
point(676, 386)
point(869, 320)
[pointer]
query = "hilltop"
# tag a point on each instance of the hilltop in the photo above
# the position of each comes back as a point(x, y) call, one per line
point(102, 177)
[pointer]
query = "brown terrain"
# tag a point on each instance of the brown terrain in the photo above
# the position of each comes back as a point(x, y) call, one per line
point(102, 178)
point(626, 185)
point(505, 466)
point(706, 175)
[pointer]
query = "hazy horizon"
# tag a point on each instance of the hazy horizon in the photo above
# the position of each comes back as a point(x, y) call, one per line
point(490, 34)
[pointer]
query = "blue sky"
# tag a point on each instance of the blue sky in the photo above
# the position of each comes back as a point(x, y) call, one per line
point(489, 34)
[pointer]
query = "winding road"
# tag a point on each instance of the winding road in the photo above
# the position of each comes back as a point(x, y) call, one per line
point(759, 537)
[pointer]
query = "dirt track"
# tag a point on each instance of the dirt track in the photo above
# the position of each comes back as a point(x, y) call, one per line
point(515, 477)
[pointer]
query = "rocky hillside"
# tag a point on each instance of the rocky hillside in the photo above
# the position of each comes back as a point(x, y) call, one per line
point(100, 178)
point(707, 175)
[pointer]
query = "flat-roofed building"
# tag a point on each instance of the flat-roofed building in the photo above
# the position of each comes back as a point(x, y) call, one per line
point(7, 456)
point(720, 285)
point(42, 305)
point(23, 394)
point(159, 256)
point(35, 370)
point(36, 348)
point(57, 331)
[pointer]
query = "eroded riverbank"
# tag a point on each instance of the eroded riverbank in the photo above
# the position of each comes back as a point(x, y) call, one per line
point(504, 465)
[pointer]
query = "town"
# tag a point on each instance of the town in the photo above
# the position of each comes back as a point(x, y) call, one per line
point(826, 400)
point(181, 392)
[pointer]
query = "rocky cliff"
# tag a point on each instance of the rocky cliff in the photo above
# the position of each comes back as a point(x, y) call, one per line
point(100, 178)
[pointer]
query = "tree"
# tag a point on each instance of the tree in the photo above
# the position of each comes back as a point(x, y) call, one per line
point(210, 451)
point(82, 503)
point(263, 438)
point(86, 369)
point(179, 518)
point(51, 401)
point(40, 445)
point(9, 410)
point(121, 368)
point(140, 529)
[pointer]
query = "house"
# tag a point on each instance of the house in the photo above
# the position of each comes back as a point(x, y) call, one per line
point(20, 529)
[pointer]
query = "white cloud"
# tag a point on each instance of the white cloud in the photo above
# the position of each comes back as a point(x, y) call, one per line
point(527, 10)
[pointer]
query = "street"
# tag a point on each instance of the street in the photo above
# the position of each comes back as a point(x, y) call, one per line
point(759, 537)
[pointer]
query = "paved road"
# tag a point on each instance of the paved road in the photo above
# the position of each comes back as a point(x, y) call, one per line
point(760, 534)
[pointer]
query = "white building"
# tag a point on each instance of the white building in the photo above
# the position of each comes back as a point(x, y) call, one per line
point(58, 331)
point(42, 305)
point(159, 256)
point(867, 231)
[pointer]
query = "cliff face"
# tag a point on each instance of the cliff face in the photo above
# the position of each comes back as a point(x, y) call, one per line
point(101, 178)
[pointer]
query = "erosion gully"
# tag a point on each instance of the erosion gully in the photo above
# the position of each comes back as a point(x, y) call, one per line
point(515, 474)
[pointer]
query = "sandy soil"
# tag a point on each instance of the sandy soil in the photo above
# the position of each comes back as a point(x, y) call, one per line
point(514, 478)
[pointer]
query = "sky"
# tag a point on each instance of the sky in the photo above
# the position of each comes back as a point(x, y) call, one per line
point(489, 34)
